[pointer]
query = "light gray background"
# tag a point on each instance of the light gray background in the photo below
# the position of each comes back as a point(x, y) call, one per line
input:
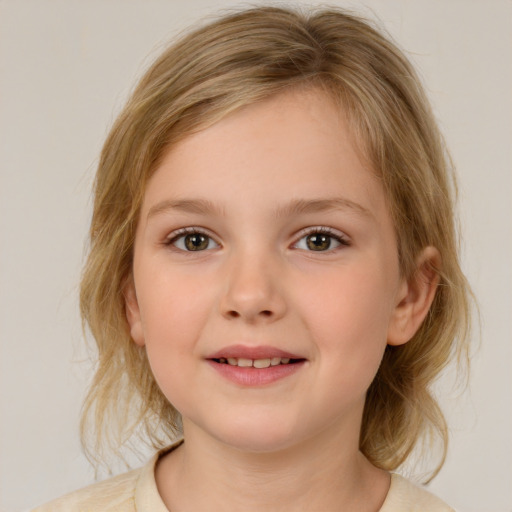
point(66, 67)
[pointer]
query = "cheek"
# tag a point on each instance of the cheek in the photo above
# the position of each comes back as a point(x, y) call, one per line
point(352, 300)
point(174, 310)
point(172, 303)
point(348, 316)
point(171, 337)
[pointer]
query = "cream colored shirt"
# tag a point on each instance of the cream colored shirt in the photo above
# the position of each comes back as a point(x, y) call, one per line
point(136, 491)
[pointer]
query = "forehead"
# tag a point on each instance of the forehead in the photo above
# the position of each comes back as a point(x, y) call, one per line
point(295, 145)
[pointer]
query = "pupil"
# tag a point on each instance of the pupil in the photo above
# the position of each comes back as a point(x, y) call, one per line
point(196, 242)
point(319, 242)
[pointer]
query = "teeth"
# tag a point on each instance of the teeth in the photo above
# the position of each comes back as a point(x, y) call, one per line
point(261, 363)
point(256, 363)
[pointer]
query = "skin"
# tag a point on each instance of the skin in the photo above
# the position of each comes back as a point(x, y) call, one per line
point(292, 444)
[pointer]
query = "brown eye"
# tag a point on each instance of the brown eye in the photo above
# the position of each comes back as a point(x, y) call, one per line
point(321, 239)
point(318, 242)
point(192, 241)
point(196, 242)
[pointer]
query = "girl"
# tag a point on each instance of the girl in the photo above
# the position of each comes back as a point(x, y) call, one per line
point(273, 281)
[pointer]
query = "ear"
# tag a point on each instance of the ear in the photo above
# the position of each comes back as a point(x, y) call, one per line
point(133, 312)
point(415, 297)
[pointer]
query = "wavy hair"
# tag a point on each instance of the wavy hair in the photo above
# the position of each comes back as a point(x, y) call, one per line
point(236, 60)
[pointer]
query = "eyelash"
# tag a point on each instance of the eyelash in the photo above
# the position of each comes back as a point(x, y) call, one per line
point(335, 235)
point(180, 233)
point(324, 230)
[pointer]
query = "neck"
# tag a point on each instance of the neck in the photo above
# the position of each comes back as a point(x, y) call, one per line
point(205, 474)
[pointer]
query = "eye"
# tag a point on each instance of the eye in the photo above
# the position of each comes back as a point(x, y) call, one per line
point(192, 240)
point(321, 240)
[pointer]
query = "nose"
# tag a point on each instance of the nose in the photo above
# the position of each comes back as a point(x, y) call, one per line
point(253, 290)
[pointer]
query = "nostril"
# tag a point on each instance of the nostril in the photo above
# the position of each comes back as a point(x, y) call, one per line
point(235, 314)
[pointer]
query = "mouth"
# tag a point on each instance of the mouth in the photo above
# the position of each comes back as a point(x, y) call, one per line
point(243, 362)
point(255, 366)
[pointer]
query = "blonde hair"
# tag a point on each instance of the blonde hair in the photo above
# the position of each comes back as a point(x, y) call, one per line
point(240, 59)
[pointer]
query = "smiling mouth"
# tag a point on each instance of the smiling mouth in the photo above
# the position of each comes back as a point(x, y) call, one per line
point(256, 363)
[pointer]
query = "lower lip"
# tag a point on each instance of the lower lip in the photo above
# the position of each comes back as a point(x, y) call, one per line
point(256, 376)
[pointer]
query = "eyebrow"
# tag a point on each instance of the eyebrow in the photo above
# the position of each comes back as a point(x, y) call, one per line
point(294, 207)
point(198, 206)
point(301, 206)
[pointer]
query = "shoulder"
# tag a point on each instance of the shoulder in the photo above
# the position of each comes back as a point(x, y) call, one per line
point(115, 494)
point(405, 496)
point(129, 492)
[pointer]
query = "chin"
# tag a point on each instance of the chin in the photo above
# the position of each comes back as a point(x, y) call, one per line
point(257, 437)
point(252, 428)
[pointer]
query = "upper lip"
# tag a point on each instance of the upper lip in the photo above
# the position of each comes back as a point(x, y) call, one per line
point(252, 352)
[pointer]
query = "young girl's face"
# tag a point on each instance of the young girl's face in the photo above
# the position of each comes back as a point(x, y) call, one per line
point(265, 237)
